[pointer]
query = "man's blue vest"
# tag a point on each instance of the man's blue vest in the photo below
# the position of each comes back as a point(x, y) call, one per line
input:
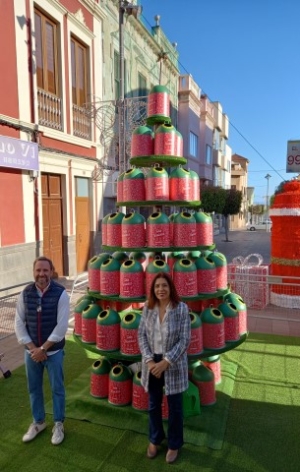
point(41, 313)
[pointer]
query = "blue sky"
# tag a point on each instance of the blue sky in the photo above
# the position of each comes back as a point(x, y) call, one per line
point(244, 54)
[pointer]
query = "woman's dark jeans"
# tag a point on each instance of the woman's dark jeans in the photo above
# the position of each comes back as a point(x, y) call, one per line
point(175, 420)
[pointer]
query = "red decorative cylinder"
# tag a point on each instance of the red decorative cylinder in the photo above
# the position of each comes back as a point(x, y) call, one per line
point(184, 227)
point(157, 184)
point(120, 196)
point(140, 398)
point(142, 142)
point(114, 229)
point(129, 333)
point(94, 265)
point(231, 321)
point(194, 186)
point(185, 278)
point(204, 379)
point(179, 184)
point(104, 229)
point(196, 343)
point(221, 267)
point(241, 307)
point(81, 305)
point(133, 230)
point(213, 329)
point(214, 364)
point(132, 279)
point(89, 317)
point(108, 330)
point(158, 105)
point(133, 185)
point(204, 229)
point(165, 140)
point(206, 275)
point(110, 277)
point(158, 230)
point(99, 378)
point(120, 385)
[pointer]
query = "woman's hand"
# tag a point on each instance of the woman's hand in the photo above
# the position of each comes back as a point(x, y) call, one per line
point(158, 368)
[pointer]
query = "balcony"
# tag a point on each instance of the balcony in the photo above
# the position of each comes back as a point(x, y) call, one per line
point(217, 158)
point(49, 110)
point(81, 123)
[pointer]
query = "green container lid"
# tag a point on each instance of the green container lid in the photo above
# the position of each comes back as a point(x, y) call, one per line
point(184, 265)
point(156, 172)
point(131, 320)
point(83, 304)
point(202, 217)
point(194, 255)
point(115, 218)
point(156, 266)
point(110, 265)
point(101, 366)
point(173, 216)
point(212, 316)
point(97, 260)
point(184, 217)
point(193, 364)
point(159, 89)
point(194, 175)
point(91, 311)
point(158, 218)
point(206, 253)
point(205, 263)
point(195, 320)
point(120, 373)
point(203, 374)
point(133, 218)
point(138, 256)
point(108, 317)
point(180, 173)
point(133, 173)
point(120, 256)
point(236, 300)
point(218, 258)
point(131, 266)
point(228, 309)
point(165, 129)
point(121, 177)
point(143, 130)
point(137, 378)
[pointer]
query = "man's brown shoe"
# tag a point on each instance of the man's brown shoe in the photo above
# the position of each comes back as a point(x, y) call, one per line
point(151, 451)
point(171, 456)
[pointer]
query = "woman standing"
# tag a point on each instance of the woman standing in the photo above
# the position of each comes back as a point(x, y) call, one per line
point(164, 336)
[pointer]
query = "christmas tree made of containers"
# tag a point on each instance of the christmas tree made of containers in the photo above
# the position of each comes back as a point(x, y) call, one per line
point(175, 237)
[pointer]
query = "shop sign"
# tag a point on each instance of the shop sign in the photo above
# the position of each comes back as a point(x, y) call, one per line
point(18, 154)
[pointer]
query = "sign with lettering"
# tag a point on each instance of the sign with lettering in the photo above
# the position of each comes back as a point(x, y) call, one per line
point(18, 154)
point(293, 157)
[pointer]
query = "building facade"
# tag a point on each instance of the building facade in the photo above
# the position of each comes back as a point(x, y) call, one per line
point(60, 64)
point(239, 181)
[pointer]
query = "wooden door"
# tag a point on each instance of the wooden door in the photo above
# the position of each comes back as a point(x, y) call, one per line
point(82, 212)
point(52, 220)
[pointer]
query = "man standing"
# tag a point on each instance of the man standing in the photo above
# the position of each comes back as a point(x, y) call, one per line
point(41, 323)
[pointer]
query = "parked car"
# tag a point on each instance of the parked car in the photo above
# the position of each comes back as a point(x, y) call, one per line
point(266, 225)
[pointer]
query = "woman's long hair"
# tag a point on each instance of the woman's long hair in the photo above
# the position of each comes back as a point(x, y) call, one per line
point(174, 297)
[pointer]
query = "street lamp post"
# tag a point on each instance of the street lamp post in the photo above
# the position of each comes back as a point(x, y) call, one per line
point(135, 10)
point(268, 176)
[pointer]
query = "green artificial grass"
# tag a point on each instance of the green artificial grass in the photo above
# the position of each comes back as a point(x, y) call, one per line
point(262, 427)
point(206, 429)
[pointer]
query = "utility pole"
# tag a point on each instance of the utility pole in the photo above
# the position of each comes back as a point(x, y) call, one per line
point(268, 176)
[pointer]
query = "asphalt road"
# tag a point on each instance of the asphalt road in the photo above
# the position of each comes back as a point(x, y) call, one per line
point(244, 243)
